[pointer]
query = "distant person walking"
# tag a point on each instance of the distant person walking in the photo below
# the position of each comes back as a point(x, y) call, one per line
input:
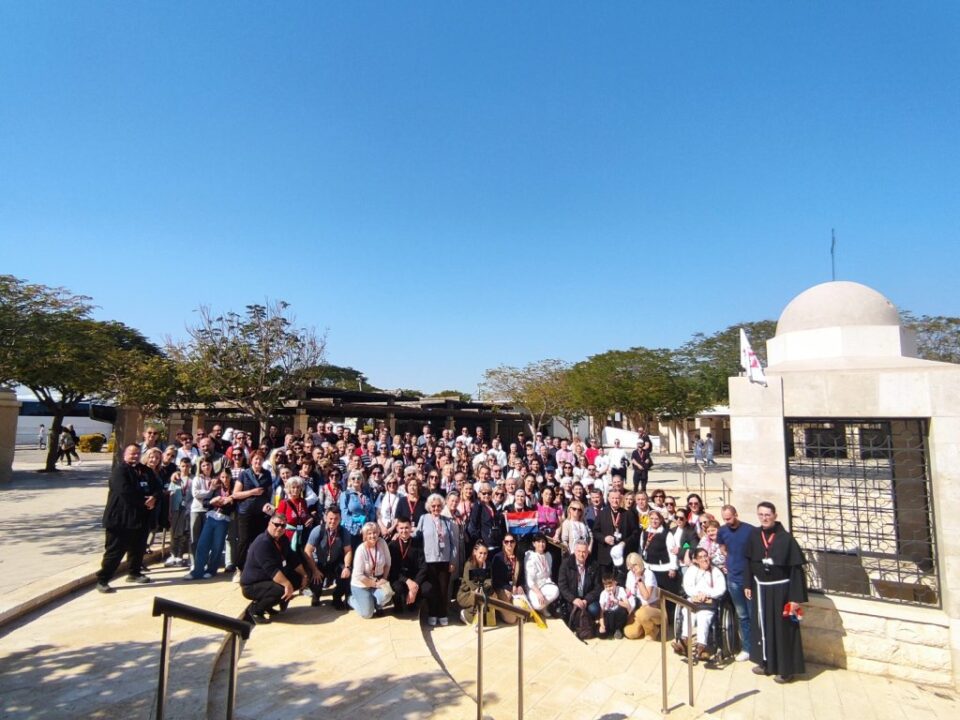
point(67, 447)
point(42, 437)
point(698, 450)
point(709, 450)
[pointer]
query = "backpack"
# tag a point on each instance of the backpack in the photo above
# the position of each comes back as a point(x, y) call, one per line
point(581, 623)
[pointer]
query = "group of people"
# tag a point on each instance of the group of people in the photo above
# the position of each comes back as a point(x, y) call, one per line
point(399, 522)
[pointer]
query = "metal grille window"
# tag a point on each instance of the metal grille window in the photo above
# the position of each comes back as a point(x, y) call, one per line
point(860, 507)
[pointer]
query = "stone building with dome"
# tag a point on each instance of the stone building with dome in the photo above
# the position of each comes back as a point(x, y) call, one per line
point(857, 442)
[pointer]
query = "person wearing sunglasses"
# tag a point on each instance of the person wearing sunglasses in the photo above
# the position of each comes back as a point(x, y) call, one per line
point(273, 573)
point(486, 523)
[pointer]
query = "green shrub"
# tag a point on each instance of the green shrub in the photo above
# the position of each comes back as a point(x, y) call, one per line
point(112, 443)
point(91, 443)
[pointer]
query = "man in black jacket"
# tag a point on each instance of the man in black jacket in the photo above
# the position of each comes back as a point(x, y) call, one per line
point(408, 570)
point(486, 522)
point(615, 526)
point(133, 494)
point(273, 572)
point(579, 583)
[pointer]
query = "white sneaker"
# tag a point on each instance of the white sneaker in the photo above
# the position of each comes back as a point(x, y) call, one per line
point(236, 576)
point(207, 576)
point(432, 621)
point(171, 562)
point(444, 622)
point(742, 656)
point(189, 576)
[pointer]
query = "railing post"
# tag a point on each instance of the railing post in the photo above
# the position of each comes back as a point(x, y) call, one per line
point(232, 686)
point(483, 611)
point(663, 652)
point(520, 669)
point(164, 665)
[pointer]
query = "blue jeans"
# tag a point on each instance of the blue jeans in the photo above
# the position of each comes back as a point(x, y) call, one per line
point(365, 600)
point(742, 606)
point(210, 547)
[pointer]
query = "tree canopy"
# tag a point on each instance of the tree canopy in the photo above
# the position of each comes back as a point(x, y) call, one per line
point(938, 337)
point(252, 361)
point(52, 345)
point(537, 389)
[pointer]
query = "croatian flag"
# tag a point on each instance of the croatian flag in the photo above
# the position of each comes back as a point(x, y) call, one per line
point(522, 524)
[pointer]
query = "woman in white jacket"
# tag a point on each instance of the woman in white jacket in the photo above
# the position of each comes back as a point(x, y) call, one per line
point(541, 590)
point(704, 585)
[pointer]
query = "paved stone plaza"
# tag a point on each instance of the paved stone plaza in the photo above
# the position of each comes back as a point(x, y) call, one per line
point(96, 655)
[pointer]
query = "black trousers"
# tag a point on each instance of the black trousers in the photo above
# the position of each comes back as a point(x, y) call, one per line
point(435, 589)
point(331, 577)
point(266, 593)
point(249, 525)
point(120, 542)
point(614, 620)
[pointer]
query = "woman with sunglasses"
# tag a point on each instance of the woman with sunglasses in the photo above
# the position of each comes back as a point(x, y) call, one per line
point(507, 570)
point(574, 529)
point(695, 512)
point(682, 541)
point(386, 507)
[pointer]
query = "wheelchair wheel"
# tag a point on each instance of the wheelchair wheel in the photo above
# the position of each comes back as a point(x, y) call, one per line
point(728, 627)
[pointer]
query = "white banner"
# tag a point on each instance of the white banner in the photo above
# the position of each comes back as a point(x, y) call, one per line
point(749, 361)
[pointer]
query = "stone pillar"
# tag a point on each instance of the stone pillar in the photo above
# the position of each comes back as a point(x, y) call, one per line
point(450, 423)
point(9, 413)
point(494, 428)
point(199, 418)
point(758, 447)
point(176, 422)
point(392, 422)
point(127, 429)
point(301, 421)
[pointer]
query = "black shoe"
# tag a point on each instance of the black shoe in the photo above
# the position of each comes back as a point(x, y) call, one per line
point(617, 635)
point(314, 601)
point(339, 604)
point(783, 679)
point(139, 579)
point(104, 588)
point(259, 619)
point(283, 605)
point(758, 670)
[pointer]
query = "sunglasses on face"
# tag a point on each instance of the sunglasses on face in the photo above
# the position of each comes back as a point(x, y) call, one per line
point(278, 524)
point(509, 542)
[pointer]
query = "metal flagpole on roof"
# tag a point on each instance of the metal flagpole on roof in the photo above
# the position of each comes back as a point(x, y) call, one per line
point(833, 258)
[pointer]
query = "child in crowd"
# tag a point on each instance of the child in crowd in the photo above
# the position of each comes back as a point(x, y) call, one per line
point(715, 549)
point(614, 608)
point(178, 489)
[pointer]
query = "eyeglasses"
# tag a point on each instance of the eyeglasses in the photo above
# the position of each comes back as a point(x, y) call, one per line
point(577, 509)
point(671, 504)
point(433, 477)
point(509, 542)
point(681, 517)
point(485, 493)
point(278, 524)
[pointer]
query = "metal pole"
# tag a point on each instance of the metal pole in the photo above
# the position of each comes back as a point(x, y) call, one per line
point(483, 611)
point(689, 615)
point(663, 652)
point(164, 665)
point(520, 669)
point(232, 686)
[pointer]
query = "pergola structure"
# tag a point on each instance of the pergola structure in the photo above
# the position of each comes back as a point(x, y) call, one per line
point(399, 413)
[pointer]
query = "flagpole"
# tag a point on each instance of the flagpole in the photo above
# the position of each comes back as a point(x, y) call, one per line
point(833, 259)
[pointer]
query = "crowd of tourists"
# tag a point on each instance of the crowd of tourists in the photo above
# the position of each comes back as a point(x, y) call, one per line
point(423, 523)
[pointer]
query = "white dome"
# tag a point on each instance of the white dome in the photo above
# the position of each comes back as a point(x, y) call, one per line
point(837, 304)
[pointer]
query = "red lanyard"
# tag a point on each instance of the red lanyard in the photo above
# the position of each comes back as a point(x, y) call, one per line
point(331, 538)
point(767, 543)
point(411, 506)
point(376, 557)
point(333, 490)
point(616, 519)
point(403, 550)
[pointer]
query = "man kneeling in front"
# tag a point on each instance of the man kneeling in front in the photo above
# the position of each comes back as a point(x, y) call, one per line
point(272, 574)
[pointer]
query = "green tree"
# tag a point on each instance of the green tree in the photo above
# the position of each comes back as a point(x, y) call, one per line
point(252, 362)
point(52, 346)
point(535, 389)
point(458, 394)
point(345, 378)
point(938, 337)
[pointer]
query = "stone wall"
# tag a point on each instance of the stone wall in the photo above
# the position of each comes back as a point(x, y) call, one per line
point(859, 635)
point(9, 410)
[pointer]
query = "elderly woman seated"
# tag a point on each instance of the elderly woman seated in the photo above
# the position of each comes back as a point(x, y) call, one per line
point(369, 582)
point(704, 585)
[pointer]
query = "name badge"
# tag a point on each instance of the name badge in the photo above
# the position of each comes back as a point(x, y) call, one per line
point(768, 561)
point(617, 536)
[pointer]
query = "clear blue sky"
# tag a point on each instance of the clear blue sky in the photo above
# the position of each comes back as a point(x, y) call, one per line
point(450, 186)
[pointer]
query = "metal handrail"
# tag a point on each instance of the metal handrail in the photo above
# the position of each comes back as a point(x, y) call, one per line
point(521, 615)
point(666, 595)
point(238, 629)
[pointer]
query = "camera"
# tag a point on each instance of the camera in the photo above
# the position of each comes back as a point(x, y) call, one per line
point(478, 575)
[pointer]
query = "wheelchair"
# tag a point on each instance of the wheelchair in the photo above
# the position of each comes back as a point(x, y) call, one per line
point(723, 636)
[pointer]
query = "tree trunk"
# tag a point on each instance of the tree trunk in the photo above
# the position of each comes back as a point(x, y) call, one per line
point(53, 446)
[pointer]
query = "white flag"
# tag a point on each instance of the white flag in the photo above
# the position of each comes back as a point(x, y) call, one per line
point(749, 361)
